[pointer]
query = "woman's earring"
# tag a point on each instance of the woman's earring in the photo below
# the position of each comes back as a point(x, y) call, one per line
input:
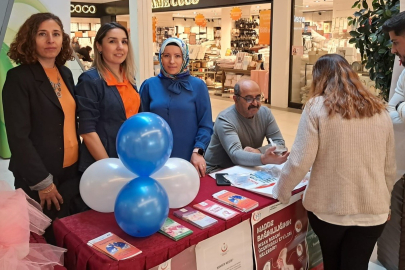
point(99, 52)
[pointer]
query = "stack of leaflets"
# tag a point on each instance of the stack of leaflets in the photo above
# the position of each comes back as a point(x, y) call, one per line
point(260, 179)
point(235, 200)
point(114, 247)
point(174, 230)
point(195, 217)
point(215, 209)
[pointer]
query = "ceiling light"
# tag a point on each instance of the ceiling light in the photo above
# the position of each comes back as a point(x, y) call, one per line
point(257, 6)
point(306, 6)
point(195, 12)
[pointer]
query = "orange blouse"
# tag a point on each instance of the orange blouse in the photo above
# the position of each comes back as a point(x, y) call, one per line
point(71, 153)
point(129, 96)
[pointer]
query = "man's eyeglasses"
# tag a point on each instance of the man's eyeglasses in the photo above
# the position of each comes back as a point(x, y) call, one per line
point(250, 99)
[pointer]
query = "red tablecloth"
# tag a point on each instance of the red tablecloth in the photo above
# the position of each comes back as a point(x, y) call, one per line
point(75, 231)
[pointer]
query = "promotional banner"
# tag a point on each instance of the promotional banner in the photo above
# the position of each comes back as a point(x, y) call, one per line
point(229, 250)
point(185, 260)
point(265, 26)
point(315, 260)
point(22, 9)
point(236, 13)
point(278, 233)
point(199, 20)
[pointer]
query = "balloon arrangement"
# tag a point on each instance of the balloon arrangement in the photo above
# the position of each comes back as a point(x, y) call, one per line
point(144, 182)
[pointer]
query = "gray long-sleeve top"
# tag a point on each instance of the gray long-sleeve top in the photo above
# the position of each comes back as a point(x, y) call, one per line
point(233, 132)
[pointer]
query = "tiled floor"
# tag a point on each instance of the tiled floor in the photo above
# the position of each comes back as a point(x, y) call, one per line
point(287, 121)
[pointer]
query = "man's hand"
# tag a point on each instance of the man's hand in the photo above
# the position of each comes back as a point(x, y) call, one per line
point(252, 150)
point(198, 162)
point(50, 195)
point(269, 157)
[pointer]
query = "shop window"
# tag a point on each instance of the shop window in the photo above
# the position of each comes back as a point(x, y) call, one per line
point(316, 33)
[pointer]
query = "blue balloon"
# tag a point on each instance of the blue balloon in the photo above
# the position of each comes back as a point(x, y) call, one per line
point(144, 143)
point(141, 207)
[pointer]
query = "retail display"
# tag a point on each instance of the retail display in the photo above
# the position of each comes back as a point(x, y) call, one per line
point(319, 37)
point(244, 35)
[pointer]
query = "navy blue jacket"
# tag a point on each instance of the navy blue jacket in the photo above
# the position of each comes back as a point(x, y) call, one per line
point(100, 109)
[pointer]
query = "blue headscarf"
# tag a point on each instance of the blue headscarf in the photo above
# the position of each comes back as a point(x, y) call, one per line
point(184, 50)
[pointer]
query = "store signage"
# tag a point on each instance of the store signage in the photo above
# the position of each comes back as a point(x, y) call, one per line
point(299, 19)
point(236, 13)
point(173, 3)
point(83, 9)
point(200, 20)
point(265, 26)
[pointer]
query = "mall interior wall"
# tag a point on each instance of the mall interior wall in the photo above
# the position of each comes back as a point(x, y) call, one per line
point(280, 56)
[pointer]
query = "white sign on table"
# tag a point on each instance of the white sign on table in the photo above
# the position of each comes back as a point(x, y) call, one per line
point(229, 250)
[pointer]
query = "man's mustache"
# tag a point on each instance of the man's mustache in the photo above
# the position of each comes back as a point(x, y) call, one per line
point(253, 107)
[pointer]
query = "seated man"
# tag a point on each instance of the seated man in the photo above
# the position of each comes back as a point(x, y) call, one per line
point(239, 132)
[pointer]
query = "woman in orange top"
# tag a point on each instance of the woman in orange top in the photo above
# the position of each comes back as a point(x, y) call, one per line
point(40, 116)
point(106, 94)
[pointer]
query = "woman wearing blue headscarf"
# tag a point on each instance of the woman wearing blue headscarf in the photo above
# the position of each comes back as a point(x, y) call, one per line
point(183, 101)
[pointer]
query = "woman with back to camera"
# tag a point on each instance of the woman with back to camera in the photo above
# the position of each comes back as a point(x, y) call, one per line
point(183, 101)
point(40, 116)
point(106, 94)
point(346, 135)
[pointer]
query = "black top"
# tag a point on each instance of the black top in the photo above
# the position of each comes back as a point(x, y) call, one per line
point(34, 121)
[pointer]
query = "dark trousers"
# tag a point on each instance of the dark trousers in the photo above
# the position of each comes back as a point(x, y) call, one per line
point(67, 182)
point(345, 247)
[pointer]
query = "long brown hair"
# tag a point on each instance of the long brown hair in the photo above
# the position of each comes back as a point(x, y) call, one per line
point(23, 48)
point(335, 80)
point(127, 67)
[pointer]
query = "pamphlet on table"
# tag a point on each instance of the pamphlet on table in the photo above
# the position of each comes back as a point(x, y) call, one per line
point(235, 200)
point(215, 209)
point(114, 247)
point(195, 217)
point(259, 179)
point(174, 230)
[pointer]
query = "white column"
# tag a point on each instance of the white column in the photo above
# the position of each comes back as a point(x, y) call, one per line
point(141, 38)
point(280, 59)
point(226, 28)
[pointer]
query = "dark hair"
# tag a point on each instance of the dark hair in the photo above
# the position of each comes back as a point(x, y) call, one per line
point(396, 24)
point(173, 44)
point(23, 48)
point(88, 48)
point(336, 81)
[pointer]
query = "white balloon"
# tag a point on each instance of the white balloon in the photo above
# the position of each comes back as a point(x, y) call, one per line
point(180, 180)
point(101, 183)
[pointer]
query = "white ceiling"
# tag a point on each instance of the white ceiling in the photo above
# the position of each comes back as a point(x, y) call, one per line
point(317, 5)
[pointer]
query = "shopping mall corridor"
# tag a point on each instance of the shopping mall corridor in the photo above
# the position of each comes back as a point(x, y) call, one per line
point(287, 121)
